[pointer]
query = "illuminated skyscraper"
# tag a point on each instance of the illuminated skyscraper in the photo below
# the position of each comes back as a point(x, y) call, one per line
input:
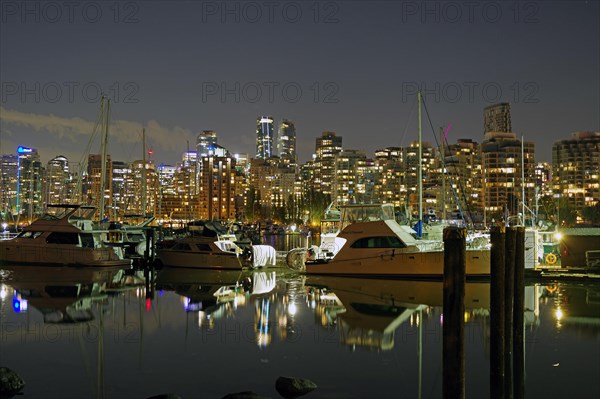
point(94, 184)
point(347, 179)
point(576, 169)
point(121, 191)
point(204, 141)
point(29, 183)
point(502, 168)
point(286, 143)
point(8, 185)
point(264, 137)
point(217, 186)
point(57, 181)
point(390, 187)
point(327, 146)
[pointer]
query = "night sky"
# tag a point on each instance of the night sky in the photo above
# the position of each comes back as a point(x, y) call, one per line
point(180, 67)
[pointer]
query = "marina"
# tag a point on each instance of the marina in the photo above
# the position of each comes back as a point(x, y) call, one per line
point(314, 199)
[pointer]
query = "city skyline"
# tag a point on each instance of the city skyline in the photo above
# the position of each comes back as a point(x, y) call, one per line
point(190, 67)
point(192, 146)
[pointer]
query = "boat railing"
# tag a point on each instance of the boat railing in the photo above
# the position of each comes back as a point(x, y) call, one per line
point(6, 235)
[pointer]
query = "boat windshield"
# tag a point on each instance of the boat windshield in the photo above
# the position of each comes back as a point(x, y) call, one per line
point(366, 213)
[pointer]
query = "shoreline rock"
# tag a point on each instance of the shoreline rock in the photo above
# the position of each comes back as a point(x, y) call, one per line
point(11, 383)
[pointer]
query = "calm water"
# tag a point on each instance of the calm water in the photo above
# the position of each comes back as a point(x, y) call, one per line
point(81, 333)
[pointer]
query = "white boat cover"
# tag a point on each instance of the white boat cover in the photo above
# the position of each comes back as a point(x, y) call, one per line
point(263, 255)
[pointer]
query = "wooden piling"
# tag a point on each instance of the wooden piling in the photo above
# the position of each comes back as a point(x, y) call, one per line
point(453, 311)
point(519, 317)
point(509, 295)
point(497, 283)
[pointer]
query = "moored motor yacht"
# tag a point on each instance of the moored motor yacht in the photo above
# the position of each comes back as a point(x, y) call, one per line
point(202, 252)
point(61, 239)
point(372, 243)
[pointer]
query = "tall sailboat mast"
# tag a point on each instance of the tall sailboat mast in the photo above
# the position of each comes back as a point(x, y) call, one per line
point(104, 157)
point(420, 171)
point(523, 179)
point(144, 194)
point(443, 156)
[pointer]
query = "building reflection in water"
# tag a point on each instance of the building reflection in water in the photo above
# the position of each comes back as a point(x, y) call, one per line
point(263, 309)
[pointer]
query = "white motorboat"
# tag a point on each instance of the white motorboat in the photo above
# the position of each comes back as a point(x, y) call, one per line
point(202, 252)
point(61, 239)
point(372, 243)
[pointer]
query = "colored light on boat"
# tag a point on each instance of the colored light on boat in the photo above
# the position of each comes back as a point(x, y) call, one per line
point(19, 305)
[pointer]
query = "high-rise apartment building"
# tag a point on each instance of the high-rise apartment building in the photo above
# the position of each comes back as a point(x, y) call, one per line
point(543, 179)
point(506, 174)
point(9, 164)
point(348, 179)
point(286, 143)
point(94, 184)
point(264, 137)
point(496, 118)
point(576, 169)
point(327, 146)
point(143, 188)
point(390, 186)
point(462, 180)
point(508, 166)
point(217, 186)
point(121, 182)
point(205, 140)
point(57, 181)
point(29, 202)
point(430, 176)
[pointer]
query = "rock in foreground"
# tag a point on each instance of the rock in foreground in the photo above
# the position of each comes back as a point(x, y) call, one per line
point(10, 383)
point(290, 387)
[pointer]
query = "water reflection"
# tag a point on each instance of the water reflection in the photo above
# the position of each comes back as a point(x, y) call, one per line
point(102, 337)
point(575, 307)
point(61, 295)
point(217, 294)
point(367, 312)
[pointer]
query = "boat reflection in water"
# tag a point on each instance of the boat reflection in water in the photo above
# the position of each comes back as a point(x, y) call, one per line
point(61, 294)
point(283, 324)
point(217, 294)
point(367, 312)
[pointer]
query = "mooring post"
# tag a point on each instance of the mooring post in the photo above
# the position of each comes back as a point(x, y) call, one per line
point(519, 317)
point(509, 295)
point(148, 245)
point(453, 311)
point(497, 282)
